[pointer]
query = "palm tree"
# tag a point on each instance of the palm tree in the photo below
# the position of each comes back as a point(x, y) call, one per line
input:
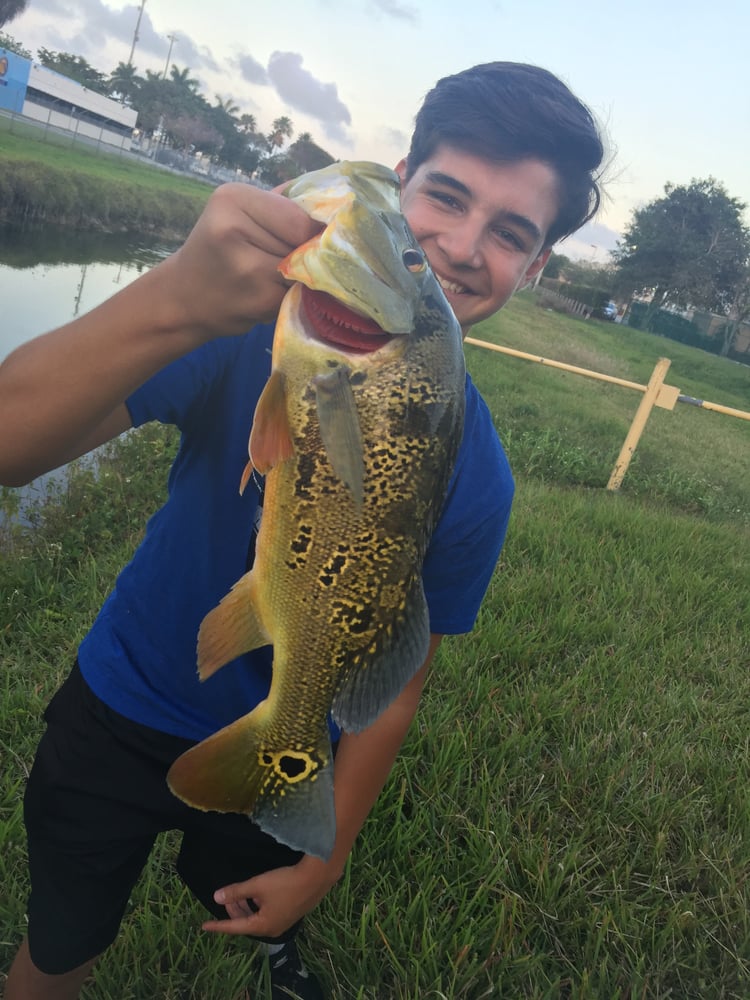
point(227, 105)
point(124, 80)
point(281, 129)
point(307, 155)
point(248, 124)
point(184, 81)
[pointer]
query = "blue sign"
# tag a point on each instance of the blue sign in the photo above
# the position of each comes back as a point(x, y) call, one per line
point(14, 78)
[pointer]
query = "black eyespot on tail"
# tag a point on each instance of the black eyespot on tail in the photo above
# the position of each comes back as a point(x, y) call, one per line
point(291, 766)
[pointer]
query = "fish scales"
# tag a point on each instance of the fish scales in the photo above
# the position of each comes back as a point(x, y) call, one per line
point(358, 443)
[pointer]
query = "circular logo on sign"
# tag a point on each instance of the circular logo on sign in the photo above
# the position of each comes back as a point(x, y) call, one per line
point(3, 65)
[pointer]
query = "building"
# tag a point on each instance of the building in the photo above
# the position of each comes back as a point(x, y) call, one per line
point(34, 91)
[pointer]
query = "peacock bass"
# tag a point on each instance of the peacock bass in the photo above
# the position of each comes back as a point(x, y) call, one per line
point(357, 432)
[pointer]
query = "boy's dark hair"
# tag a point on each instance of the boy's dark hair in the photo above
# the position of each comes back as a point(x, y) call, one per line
point(506, 112)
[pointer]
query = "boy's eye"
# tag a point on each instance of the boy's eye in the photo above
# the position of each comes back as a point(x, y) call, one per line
point(509, 237)
point(445, 199)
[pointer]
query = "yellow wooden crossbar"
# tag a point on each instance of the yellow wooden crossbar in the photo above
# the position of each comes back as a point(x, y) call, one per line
point(668, 394)
point(705, 405)
point(656, 393)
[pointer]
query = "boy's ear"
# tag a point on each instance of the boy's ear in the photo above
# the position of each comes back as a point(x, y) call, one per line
point(536, 265)
point(400, 169)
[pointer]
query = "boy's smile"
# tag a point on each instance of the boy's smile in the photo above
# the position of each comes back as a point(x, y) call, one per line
point(482, 224)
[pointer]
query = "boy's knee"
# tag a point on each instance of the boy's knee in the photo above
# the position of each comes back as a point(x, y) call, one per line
point(27, 982)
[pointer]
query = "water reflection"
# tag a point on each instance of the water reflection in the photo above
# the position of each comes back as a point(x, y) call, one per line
point(49, 275)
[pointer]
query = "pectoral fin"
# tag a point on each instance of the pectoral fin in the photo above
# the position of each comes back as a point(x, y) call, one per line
point(339, 429)
point(231, 629)
point(270, 437)
point(373, 679)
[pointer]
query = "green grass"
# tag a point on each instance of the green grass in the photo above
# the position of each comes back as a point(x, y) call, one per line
point(43, 179)
point(55, 150)
point(569, 429)
point(570, 816)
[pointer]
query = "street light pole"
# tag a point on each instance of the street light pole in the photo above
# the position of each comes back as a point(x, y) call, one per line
point(172, 40)
point(135, 33)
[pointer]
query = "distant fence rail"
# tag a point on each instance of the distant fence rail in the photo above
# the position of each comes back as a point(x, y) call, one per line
point(566, 303)
point(161, 157)
point(102, 141)
point(656, 393)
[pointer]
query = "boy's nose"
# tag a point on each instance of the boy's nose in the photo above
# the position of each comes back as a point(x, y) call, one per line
point(462, 245)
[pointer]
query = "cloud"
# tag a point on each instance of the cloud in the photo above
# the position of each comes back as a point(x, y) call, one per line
point(97, 26)
point(298, 88)
point(594, 241)
point(397, 138)
point(252, 71)
point(400, 11)
point(90, 27)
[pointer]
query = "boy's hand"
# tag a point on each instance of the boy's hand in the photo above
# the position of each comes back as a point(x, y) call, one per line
point(225, 276)
point(268, 905)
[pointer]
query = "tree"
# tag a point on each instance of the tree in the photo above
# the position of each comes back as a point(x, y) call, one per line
point(281, 129)
point(556, 265)
point(194, 132)
point(227, 105)
point(182, 79)
point(124, 82)
point(307, 155)
point(11, 45)
point(74, 67)
point(162, 102)
point(588, 272)
point(151, 101)
point(738, 312)
point(10, 9)
point(248, 124)
point(688, 248)
point(277, 169)
point(239, 151)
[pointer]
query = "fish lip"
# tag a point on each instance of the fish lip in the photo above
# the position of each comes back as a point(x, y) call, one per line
point(336, 325)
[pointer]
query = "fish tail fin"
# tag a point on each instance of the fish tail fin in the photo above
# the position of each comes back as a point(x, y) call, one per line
point(286, 789)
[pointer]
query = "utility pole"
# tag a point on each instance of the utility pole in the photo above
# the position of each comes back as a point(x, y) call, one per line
point(135, 33)
point(172, 40)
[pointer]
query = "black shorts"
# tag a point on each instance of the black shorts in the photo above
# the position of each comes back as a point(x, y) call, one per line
point(95, 801)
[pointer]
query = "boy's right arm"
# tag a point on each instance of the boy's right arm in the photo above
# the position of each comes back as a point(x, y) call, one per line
point(63, 393)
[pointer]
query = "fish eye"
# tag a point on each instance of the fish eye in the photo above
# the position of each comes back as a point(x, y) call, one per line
point(413, 260)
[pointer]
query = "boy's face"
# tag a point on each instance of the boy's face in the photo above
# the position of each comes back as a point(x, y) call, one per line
point(483, 225)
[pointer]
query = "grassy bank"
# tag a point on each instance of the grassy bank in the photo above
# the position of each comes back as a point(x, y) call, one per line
point(45, 181)
point(565, 428)
point(569, 817)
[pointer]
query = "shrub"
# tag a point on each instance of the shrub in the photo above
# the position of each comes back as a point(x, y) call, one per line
point(668, 324)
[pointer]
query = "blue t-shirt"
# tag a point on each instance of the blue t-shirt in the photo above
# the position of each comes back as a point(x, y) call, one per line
point(140, 655)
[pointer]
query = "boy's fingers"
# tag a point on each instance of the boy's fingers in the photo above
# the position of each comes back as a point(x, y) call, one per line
point(239, 925)
point(237, 893)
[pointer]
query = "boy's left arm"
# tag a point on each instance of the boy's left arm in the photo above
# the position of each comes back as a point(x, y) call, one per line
point(363, 762)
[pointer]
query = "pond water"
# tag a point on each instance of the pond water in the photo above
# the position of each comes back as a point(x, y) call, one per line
point(49, 275)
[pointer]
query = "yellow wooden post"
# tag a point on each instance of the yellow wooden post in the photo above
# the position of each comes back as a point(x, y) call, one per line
point(639, 422)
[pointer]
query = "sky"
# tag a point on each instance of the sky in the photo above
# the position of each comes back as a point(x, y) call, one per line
point(667, 80)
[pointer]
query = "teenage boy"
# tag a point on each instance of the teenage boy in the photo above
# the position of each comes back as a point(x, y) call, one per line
point(503, 163)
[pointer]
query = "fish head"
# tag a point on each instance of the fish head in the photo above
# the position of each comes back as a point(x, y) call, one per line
point(365, 277)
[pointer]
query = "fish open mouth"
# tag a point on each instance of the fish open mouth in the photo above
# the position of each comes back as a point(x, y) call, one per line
point(335, 323)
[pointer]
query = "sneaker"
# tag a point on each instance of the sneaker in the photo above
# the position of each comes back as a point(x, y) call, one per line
point(290, 980)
